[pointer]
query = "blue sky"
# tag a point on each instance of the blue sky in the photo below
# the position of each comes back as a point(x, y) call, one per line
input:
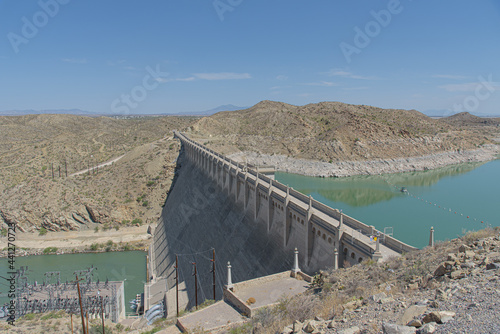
point(158, 56)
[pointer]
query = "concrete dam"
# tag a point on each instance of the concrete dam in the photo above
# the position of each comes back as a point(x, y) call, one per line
point(251, 221)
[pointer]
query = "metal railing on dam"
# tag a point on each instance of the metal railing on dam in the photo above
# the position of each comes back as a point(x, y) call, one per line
point(323, 221)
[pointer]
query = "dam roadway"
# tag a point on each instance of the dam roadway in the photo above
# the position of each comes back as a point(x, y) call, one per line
point(249, 220)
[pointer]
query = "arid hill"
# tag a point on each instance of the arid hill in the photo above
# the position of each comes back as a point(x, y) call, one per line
point(467, 119)
point(133, 187)
point(332, 131)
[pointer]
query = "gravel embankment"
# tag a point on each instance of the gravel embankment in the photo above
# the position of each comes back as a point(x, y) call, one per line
point(374, 167)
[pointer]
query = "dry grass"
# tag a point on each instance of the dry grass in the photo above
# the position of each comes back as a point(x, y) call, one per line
point(476, 235)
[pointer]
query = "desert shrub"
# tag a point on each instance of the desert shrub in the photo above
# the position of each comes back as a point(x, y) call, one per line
point(475, 235)
point(29, 316)
point(49, 250)
point(137, 221)
point(42, 231)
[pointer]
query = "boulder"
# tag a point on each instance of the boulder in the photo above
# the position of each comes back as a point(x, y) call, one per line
point(492, 266)
point(310, 326)
point(452, 257)
point(457, 274)
point(494, 257)
point(427, 328)
point(414, 323)
point(469, 254)
point(352, 305)
point(463, 248)
point(397, 329)
point(432, 317)
point(297, 326)
point(446, 316)
point(468, 265)
point(440, 270)
point(411, 313)
point(351, 330)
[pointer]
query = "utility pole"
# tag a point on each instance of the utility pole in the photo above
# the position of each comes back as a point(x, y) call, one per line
point(66, 167)
point(52, 167)
point(81, 306)
point(59, 171)
point(71, 316)
point(177, 283)
point(213, 269)
point(87, 316)
point(102, 314)
point(195, 285)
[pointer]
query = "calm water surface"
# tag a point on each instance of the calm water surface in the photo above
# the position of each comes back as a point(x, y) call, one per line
point(115, 266)
point(432, 199)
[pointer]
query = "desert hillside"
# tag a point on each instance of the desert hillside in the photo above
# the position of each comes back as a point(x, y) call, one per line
point(332, 131)
point(131, 188)
point(469, 120)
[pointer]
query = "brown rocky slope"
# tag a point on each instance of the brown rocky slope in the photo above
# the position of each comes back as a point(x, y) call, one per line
point(132, 188)
point(332, 131)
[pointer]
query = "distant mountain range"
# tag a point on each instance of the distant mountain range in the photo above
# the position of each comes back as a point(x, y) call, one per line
point(441, 113)
point(79, 112)
point(227, 107)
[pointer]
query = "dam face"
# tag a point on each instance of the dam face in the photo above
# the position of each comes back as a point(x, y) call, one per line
point(199, 216)
point(251, 221)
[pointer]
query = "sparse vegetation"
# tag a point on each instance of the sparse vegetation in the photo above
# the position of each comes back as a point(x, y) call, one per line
point(40, 198)
point(50, 250)
point(137, 221)
point(42, 231)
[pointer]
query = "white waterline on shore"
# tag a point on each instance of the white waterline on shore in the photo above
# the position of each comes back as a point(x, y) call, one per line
point(286, 164)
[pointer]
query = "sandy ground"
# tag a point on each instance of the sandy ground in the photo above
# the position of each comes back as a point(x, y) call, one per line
point(78, 239)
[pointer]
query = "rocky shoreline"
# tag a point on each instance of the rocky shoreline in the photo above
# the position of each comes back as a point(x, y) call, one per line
point(287, 164)
point(122, 247)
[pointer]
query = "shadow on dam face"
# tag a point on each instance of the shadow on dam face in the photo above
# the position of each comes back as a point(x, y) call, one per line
point(199, 216)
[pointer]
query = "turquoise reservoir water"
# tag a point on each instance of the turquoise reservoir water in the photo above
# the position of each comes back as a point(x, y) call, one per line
point(115, 266)
point(432, 199)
